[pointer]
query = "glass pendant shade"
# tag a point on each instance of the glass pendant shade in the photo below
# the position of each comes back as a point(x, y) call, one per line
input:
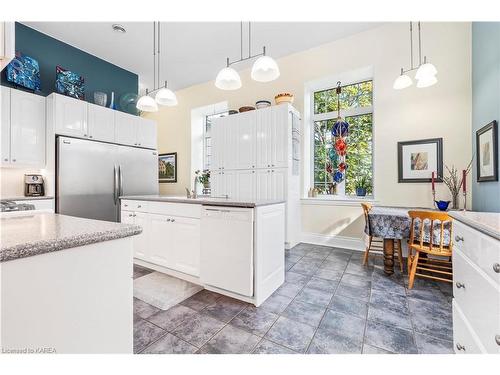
point(147, 104)
point(426, 71)
point(402, 82)
point(426, 82)
point(166, 97)
point(265, 69)
point(228, 79)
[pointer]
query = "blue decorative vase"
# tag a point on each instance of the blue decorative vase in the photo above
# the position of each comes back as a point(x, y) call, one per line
point(360, 192)
point(442, 205)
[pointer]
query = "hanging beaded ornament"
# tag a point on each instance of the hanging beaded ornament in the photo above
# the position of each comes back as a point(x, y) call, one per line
point(337, 154)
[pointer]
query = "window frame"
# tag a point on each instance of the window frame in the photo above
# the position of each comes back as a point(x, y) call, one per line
point(327, 83)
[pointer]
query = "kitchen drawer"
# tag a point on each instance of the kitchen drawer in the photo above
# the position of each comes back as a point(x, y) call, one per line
point(140, 206)
point(175, 209)
point(481, 249)
point(479, 298)
point(464, 339)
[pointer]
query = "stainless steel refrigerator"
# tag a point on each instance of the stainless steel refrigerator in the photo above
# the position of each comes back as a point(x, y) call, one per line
point(92, 175)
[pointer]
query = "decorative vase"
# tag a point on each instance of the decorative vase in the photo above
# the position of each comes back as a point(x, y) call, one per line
point(442, 205)
point(454, 201)
point(360, 192)
point(100, 98)
point(112, 103)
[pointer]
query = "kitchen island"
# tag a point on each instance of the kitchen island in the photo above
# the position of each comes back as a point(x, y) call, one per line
point(233, 247)
point(66, 284)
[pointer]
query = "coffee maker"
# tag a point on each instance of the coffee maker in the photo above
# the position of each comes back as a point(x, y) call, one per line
point(33, 185)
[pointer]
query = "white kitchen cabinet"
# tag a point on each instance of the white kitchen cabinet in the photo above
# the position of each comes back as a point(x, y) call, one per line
point(7, 43)
point(263, 189)
point(27, 129)
point(140, 240)
point(125, 128)
point(220, 144)
point(146, 133)
point(160, 232)
point(245, 185)
point(184, 245)
point(244, 153)
point(5, 126)
point(264, 137)
point(279, 145)
point(70, 116)
point(278, 183)
point(101, 123)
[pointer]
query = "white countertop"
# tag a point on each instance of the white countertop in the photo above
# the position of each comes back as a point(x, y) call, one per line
point(486, 222)
point(207, 201)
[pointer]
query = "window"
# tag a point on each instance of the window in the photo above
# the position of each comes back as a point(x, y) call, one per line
point(207, 144)
point(356, 106)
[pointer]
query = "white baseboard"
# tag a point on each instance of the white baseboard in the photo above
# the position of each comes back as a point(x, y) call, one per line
point(350, 243)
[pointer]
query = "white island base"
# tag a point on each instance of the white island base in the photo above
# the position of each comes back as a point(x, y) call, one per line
point(233, 250)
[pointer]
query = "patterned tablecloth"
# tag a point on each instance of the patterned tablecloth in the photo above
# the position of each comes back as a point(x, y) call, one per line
point(394, 222)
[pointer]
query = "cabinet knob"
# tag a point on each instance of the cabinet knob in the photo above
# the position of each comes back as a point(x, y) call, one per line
point(14, 160)
point(268, 165)
point(172, 220)
point(497, 339)
point(460, 347)
point(168, 220)
point(460, 285)
point(5, 159)
point(253, 166)
point(496, 267)
point(134, 215)
point(458, 238)
point(85, 135)
point(90, 136)
point(139, 206)
point(129, 215)
point(272, 170)
point(125, 205)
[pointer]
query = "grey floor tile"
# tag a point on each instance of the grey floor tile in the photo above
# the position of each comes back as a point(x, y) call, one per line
point(294, 258)
point(337, 265)
point(276, 303)
point(389, 301)
point(254, 320)
point(356, 280)
point(329, 274)
point(296, 278)
point(344, 325)
point(387, 283)
point(144, 334)
point(198, 329)
point(431, 318)
point(231, 340)
point(201, 300)
point(348, 290)
point(349, 306)
point(298, 251)
point(304, 268)
point(143, 309)
point(315, 296)
point(328, 342)
point(359, 269)
point(304, 313)
point(429, 294)
point(318, 254)
point(225, 308)
point(289, 289)
point(169, 344)
point(393, 339)
point(171, 318)
point(269, 347)
point(369, 349)
point(431, 345)
point(288, 265)
point(292, 334)
point(140, 271)
point(322, 284)
point(389, 317)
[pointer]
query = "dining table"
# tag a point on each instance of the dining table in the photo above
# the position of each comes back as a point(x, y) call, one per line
point(394, 223)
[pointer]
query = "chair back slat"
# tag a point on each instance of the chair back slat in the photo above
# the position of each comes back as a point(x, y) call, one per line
point(441, 237)
point(366, 209)
point(431, 217)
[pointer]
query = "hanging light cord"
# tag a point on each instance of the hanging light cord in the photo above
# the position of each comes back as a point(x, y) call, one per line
point(250, 56)
point(338, 90)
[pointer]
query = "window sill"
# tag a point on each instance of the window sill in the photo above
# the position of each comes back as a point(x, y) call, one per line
point(337, 201)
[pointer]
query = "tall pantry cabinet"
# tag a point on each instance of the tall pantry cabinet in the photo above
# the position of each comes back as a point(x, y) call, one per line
point(255, 156)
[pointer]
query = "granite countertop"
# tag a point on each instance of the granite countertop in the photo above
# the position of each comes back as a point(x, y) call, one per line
point(39, 233)
point(485, 222)
point(26, 198)
point(205, 201)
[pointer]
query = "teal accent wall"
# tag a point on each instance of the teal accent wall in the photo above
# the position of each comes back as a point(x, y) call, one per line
point(485, 103)
point(99, 75)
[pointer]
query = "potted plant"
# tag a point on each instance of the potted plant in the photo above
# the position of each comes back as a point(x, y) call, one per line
point(363, 185)
point(203, 178)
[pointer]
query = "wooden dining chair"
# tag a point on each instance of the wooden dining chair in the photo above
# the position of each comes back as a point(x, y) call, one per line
point(421, 242)
point(376, 244)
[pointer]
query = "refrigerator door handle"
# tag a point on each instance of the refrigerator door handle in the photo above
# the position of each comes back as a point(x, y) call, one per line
point(115, 184)
point(120, 179)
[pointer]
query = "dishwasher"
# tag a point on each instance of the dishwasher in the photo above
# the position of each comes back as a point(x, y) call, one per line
point(227, 242)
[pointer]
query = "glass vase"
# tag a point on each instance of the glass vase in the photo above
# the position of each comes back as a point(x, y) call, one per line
point(454, 201)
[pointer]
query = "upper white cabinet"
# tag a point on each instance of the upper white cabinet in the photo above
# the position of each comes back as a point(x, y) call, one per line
point(101, 123)
point(7, 43)
point(23, 128)
point(77, 118)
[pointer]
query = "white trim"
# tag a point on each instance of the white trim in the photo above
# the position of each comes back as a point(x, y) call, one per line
point(351, 243)
point(334, 201)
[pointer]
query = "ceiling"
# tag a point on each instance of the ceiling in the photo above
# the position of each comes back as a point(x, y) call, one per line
point(193, 52)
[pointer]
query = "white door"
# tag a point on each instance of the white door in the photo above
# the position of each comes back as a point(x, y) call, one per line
point(71, 116)
point(125, 128)
point(5, 146)
point(216, 183)
point(230, 184)
point(160, 237)
point(101, 123)
point(146, 133)
point(184, 246)
point(246, 184)
point(141, 242)
point(263, 135)
point(263, 184)
point(279, 149)
point(244, 154)
point(27, 126)
point(278, 183)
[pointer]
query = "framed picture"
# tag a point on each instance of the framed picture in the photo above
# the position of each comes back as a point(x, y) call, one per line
point(167, 167)
point(418, 159)
point(487, 152)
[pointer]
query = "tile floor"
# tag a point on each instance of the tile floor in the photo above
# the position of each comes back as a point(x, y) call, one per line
point(329, 303)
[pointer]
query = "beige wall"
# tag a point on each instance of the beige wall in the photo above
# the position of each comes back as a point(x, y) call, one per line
point(443, 110)
point(12, 181)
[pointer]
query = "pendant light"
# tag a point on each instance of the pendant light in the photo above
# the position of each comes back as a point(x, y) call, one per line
point(147, 103)
point(164, 96)
point(264, 69)
point(426, 72)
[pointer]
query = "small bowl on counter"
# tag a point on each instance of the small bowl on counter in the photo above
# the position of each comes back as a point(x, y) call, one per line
point(246, 108)
point(262, 104)
point(284, 98)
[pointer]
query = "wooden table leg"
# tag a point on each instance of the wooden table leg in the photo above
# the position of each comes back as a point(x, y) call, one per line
point(388, 256)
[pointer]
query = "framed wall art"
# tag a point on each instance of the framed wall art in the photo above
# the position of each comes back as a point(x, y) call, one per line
point(487, 152)
point(167, 167)
point(418, 159)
